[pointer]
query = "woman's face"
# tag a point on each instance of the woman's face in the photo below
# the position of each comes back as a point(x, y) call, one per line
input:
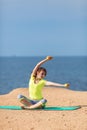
point(41, 74)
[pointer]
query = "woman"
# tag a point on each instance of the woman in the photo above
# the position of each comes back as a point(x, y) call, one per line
point(36, 83)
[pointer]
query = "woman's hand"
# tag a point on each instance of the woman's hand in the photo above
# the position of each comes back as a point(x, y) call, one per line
point(67, 85)
point(49, 57)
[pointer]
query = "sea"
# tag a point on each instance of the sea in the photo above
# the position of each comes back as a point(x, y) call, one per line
point(15, 72)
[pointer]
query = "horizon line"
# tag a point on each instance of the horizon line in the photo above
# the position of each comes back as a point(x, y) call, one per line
point(48, 55)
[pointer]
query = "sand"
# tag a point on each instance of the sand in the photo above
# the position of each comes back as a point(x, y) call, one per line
point(45, 120)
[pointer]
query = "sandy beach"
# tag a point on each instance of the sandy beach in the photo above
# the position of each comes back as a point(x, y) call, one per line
point(45, 120)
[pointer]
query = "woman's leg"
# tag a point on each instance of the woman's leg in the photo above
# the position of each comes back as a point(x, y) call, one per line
point(40, 104)
point(24, 100)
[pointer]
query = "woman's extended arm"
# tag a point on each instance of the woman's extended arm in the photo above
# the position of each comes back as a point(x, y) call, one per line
point(40, 63)
point(48, 83)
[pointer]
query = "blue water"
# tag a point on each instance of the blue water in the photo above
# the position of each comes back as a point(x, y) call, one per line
point(15, 72)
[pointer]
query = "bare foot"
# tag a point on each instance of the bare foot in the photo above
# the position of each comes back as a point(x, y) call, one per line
point(25, 102)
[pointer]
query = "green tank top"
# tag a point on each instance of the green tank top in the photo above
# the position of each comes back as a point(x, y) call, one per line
point(35, 89)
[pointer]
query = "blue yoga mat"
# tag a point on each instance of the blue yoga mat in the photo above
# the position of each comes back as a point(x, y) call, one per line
point(47, 108)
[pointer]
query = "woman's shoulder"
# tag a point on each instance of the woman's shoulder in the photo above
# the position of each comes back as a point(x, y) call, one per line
point(32, 77)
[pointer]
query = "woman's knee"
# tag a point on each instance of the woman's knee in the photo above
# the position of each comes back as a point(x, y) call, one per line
point(20, 96)
point(44, 101)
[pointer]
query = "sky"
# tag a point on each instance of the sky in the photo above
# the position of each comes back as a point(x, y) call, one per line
point(43, 27)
